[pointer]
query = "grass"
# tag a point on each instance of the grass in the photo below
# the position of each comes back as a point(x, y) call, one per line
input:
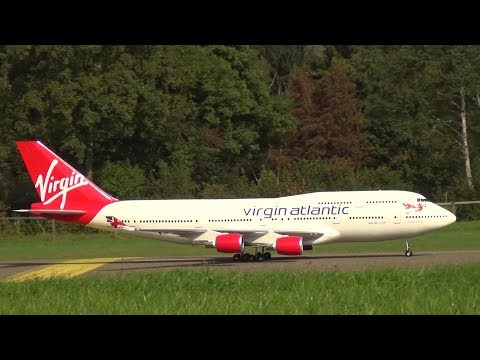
point(431, 290)
point(458, 236)
point(77, 246)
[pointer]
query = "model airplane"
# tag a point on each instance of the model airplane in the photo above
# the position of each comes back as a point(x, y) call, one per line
point(289, 225)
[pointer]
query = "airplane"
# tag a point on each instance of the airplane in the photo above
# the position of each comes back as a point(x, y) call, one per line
point(289, 225)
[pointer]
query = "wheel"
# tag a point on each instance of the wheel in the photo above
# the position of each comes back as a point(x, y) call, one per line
point(252, 258)
point(236, 257)
point(259, 256)
point(408, 253)
point(245, 257)
point(267, 256)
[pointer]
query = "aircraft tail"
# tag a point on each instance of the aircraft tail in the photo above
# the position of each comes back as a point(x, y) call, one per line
point(65, 194)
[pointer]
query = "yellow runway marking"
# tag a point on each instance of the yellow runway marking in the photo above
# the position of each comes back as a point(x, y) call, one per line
point(67, 269)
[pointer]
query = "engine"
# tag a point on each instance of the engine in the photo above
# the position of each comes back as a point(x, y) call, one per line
point(229, 243)
point(290, 245)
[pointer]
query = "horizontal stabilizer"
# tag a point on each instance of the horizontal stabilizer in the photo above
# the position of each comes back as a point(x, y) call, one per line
point(56, 212)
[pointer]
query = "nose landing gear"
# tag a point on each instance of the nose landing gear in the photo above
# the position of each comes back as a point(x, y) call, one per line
point(408, 252)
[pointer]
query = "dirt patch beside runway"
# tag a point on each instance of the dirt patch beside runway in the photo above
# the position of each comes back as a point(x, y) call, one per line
point(323, 262)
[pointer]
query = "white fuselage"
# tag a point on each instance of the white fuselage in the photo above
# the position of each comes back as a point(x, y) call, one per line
point(355, 215)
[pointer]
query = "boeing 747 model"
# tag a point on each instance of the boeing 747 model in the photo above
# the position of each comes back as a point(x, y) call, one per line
point(289, 225)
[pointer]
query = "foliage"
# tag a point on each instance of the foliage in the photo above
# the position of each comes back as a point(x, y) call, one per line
point(123, 180)
point(243, 121)
point(329, 119)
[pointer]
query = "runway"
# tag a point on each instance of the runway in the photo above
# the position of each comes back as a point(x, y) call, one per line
point(44, 269)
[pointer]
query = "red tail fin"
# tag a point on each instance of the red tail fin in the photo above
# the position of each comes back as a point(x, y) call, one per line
point(59, 185)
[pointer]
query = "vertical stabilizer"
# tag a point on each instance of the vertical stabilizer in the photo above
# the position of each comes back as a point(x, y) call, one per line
point(60, 186)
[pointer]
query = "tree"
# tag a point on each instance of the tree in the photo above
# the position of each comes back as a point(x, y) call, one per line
point(123, 180)
point(212, 105)
point(457, 88)
point(79, 97)
point(329, 119)
point(300, 90)
point(284, 59)
point(400, 89)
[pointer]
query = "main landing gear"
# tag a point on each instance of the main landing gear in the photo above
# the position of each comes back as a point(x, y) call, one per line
point(408, 252)
point(259, 256)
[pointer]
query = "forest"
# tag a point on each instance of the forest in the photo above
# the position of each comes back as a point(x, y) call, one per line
point(219, 121)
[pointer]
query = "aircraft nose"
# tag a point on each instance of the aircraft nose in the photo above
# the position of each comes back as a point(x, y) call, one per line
point(451, 217)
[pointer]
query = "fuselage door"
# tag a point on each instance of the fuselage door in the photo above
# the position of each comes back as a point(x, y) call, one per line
point(397, 216)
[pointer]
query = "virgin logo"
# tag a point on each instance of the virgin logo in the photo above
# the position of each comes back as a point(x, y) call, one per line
point(413, 207)
point(58, 187)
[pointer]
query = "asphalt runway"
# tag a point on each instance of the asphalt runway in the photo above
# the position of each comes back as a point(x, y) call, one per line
point(24, 270)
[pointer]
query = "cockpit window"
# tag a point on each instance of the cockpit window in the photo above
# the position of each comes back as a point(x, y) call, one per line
point(421, 200)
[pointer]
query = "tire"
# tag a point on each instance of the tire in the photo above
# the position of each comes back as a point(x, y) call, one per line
point(408, 253)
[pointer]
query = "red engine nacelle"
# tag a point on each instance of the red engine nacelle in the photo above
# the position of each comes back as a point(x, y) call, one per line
point(229, 243)
point(290, 245)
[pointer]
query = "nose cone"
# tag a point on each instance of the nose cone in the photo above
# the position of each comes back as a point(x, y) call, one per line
point(451, 217)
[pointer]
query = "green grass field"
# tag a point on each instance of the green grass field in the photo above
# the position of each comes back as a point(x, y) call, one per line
point(428, 290)
point(433, 290)
point(458, 236)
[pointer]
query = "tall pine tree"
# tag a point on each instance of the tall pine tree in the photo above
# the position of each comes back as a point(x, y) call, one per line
point(329, 119)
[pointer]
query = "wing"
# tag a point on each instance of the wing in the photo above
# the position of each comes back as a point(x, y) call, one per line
point(254, 237)
point(320, 235)
point(167, 234)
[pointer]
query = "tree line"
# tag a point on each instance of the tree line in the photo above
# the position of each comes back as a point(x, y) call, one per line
point(160, 122)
